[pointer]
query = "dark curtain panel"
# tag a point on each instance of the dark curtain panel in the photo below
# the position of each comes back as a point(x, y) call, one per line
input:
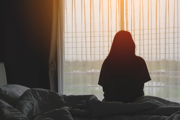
point(2, 32)
point(56, 56)
point(27, 43)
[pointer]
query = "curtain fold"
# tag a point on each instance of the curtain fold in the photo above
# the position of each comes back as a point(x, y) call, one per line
point(57, 46)
point(53, 49)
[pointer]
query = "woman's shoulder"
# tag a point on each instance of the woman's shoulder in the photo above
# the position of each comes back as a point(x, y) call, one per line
point(140, 59)
point(105, 62)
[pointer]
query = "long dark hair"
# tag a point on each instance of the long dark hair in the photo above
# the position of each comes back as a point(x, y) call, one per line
point(122, 46)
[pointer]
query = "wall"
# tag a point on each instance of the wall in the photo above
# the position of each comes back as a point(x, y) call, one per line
point(27, 42)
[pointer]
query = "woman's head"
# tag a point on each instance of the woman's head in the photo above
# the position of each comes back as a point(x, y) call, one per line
point(123, 45)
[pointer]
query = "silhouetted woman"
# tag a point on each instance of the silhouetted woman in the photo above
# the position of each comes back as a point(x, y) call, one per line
point(123, 74)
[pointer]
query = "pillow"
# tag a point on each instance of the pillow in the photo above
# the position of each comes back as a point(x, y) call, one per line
point(7, 112)
point(11, 92)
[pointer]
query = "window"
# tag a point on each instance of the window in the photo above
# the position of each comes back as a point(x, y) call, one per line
point(90, 26)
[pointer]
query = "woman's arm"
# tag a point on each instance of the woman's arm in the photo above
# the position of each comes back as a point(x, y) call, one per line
point(103, 77)
point(144, 73)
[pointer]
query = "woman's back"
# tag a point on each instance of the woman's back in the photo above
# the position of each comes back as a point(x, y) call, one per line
point(123, 79)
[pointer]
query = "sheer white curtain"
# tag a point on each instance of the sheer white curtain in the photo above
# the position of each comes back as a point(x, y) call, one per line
point(90, 26)
point(155, 27)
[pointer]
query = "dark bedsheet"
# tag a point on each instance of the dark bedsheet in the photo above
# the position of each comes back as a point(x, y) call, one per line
point(39, 104)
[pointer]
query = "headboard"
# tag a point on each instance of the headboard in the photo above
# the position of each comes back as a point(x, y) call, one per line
point(3, 80)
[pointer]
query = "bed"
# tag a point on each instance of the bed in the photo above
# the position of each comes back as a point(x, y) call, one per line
point(22, 103)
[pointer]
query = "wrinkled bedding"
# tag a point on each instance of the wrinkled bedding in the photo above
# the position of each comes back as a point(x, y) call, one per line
point(41, 104)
